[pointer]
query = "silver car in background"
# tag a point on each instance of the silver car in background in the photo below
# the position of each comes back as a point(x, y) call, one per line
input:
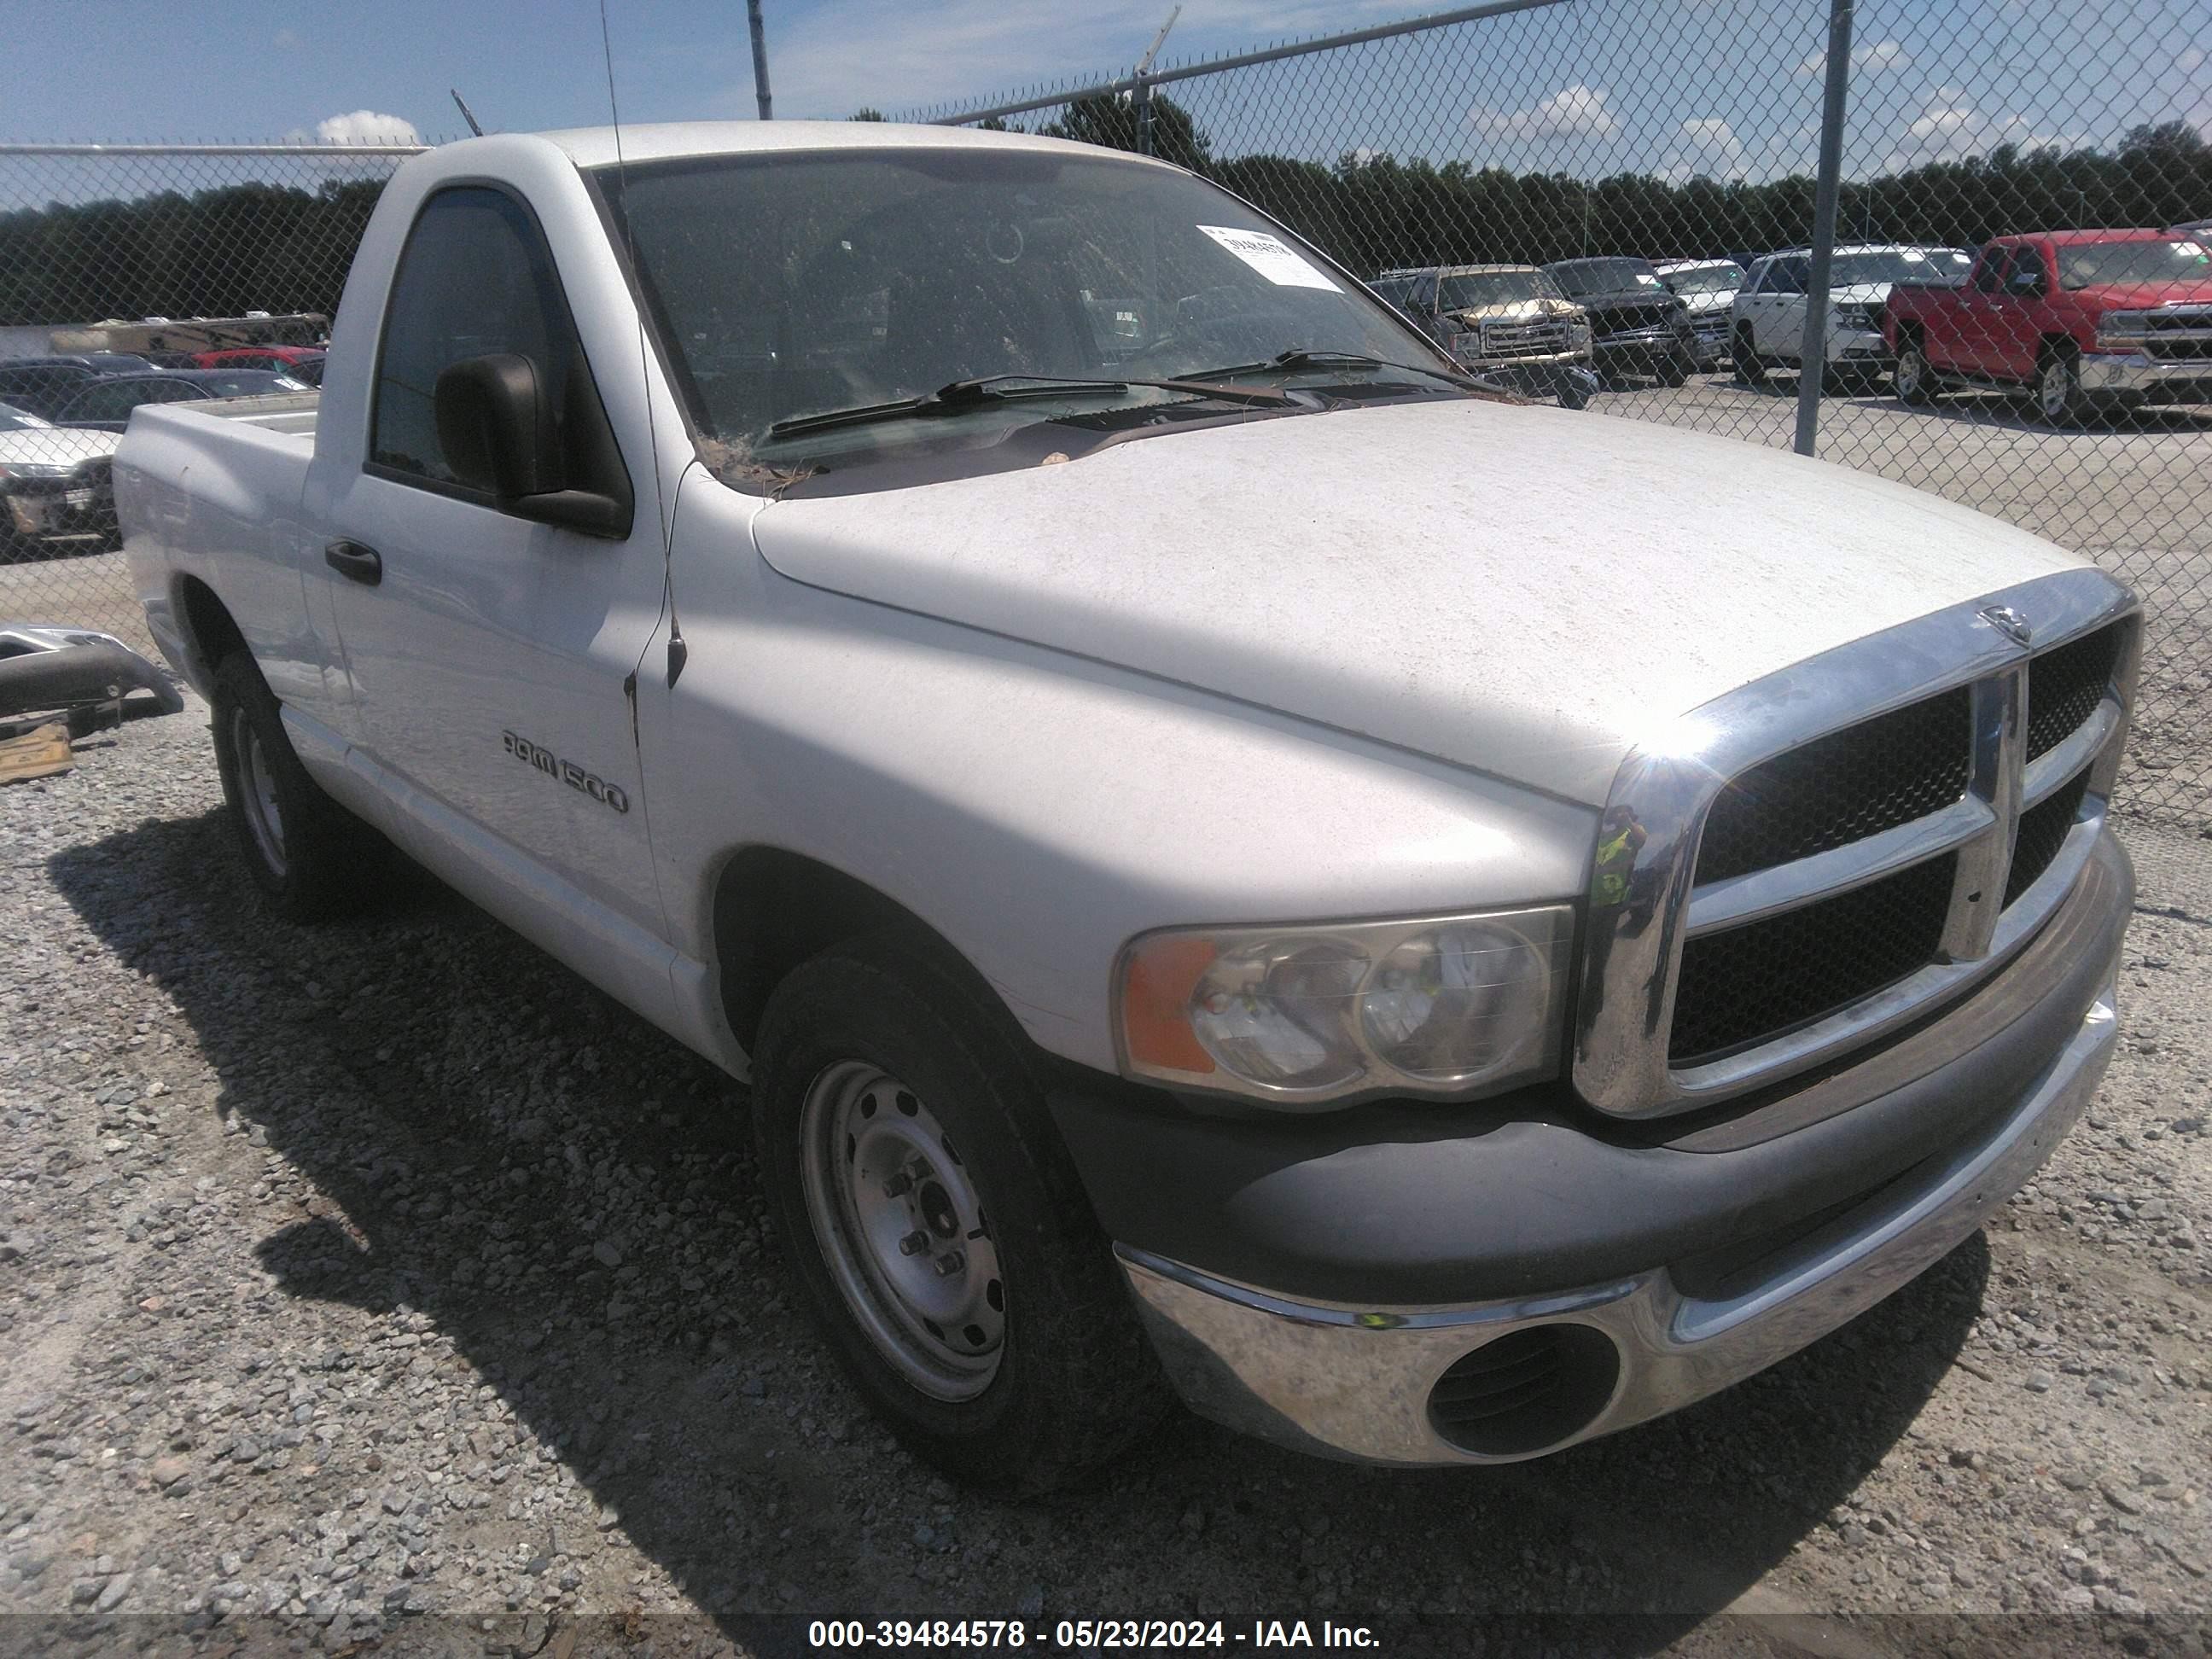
point(1708, 288)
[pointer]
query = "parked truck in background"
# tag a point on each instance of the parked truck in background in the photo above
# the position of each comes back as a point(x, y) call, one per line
point(2082, 319)
point(1508, 323)
point(1235, 861)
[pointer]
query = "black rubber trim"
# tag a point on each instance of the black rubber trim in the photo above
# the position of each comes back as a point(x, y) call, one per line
point(1400, 1203)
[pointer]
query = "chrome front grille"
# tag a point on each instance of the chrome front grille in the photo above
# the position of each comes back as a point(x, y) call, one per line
point(1523, 339)
point(2179, 332)
point(1845, 786)
point(1805, 875)
point(1741, 986)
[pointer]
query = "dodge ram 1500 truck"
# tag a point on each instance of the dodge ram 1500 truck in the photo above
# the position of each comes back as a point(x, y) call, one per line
point(2085, 319)
point(1210, 893)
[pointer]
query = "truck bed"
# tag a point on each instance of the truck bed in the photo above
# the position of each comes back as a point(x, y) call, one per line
point(207, 486)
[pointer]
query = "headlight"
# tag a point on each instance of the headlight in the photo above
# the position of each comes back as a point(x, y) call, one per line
point(1303, 1016)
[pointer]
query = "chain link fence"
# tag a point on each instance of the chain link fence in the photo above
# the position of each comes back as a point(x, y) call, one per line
point(136, 273)
point(1615, 200)
point(1632, 186)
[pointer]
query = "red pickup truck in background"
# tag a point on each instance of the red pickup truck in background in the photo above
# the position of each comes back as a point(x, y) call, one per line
point(2085, 318)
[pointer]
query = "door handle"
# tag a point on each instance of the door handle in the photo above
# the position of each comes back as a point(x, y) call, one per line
point(356, 562)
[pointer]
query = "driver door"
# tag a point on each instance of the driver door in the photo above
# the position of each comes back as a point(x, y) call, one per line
point(490, 655)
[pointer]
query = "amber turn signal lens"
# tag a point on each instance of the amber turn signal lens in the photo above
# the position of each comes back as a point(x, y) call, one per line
point(1156, 992)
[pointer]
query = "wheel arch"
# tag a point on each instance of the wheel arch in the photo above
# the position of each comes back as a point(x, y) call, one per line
point(773, 909)
point(210, 632)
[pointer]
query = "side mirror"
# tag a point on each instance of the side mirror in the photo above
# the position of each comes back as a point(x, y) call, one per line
point(496, 424)
point(2025, 281)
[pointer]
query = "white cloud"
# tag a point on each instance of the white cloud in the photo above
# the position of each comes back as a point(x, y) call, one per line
point(1951, 126)
point(1575, 112)
point(1870, 57)
point(1707, 148)
point(286, 40)
point(362, 126)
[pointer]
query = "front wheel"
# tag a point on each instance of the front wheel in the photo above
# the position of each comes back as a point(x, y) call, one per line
point(1573, 396)
point(1750, 366)
point(2058, 396)
point(1674, 370)
point(1914, 381)
point(936, 1227)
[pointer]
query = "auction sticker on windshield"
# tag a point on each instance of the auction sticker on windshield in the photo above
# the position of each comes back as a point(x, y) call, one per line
point(1272, 258)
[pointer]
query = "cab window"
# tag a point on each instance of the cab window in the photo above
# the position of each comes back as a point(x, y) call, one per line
point(1989, 276)
point(475, 278)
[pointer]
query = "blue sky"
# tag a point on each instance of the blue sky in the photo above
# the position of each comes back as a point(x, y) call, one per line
point(1725, 86)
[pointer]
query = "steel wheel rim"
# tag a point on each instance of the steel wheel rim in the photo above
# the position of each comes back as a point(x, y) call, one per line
point(257, 792)
point(1908, 371)
point(902, 1230)
point(2054, 389)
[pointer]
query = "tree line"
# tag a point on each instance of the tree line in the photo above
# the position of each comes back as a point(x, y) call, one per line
point(221, 251)
point(216, 253)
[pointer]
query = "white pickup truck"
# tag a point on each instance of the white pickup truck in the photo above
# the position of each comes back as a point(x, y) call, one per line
point(1235, 861)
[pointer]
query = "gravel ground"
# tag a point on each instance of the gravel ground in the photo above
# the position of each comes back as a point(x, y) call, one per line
point(384, 1281)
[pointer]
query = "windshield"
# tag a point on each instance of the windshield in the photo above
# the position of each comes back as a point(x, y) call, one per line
point(21, 420)
point(1704, 279)
point(2085, 264)
point(1948, 264)
point(1902, 264)
point(800, 284)
point(1470, 290)
point(1580, 276)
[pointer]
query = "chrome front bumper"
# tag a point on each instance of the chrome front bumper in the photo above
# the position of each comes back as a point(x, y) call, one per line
point(1355, 1383)
point(2172, 380)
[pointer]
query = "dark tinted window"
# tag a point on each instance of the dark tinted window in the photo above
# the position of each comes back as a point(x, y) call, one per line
point(475, 278)
point(1787, 276)
point(1989, 276)
point(2027, 275)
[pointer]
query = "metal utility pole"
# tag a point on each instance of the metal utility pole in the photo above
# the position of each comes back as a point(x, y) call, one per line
point(466, 114)
point(1140, 90)
point(760, 60)
point(1813, 350)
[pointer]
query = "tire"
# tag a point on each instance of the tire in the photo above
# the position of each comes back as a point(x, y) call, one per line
point(1021, 1367)
point(1914, 382)
point(1573, 396)
point(2058, 396)
point(1675, 371)
point(310, 858)
point(1750, 366)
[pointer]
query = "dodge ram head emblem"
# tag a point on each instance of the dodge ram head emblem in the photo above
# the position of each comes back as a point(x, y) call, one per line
point(2008, 622)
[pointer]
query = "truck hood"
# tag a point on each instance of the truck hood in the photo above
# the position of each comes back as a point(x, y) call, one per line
point(1515, 311)
point(1516, 589)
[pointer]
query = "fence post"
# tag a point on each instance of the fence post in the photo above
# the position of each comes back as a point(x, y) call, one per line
point(1140, 98)
point(1813, 351)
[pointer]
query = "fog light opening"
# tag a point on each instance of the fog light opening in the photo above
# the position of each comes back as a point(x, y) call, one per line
point(1526, 1392)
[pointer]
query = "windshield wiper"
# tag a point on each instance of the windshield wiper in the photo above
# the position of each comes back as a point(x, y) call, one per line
point(958, 396)
point(1301, 357)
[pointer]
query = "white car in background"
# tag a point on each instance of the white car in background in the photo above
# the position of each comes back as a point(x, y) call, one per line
point(1708, 288)
point(55, 490)
point(1767, 317)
